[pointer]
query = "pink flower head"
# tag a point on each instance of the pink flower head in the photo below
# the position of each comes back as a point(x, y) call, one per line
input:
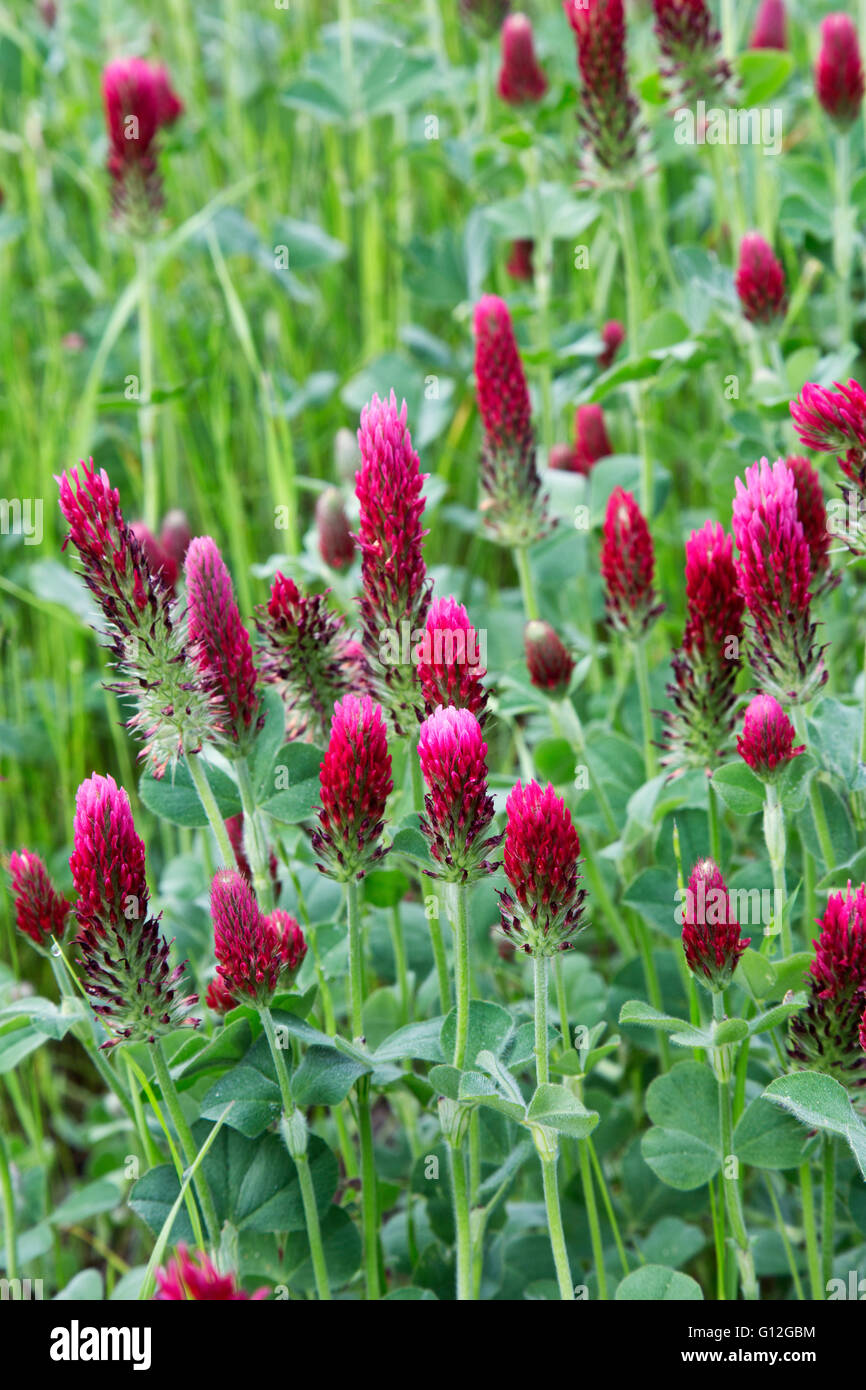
point(286, 933)
point(253, 951)
point(706, 665)
point(767, 740)
point(175, 536)
point(219, 998)
point(613, 337)
point(519, 265)
point(812, 514)
point(511, 503)
point(542, 857)
point(138, 101)
point(355, 782)
point(833, 421)
point(562, 456)
point(774, 575)
point(520, 77)
point(235, 832)
point(304, 650)
point(590, 438)
point(193, 1276)
point(221, 643)
point(711, 932)
point(825, 1036)
point(548, 661)
point(690, 42)
point(336, 546)
point(839, 71)
point(449, 660)
point(159, 561)
point(125, 958)
point(771, 26)
point(40, 911)
point(457, 804)
point(396, 591)
point(176, 711)
point(760, 281)
point(609, 113)
point(627, 566)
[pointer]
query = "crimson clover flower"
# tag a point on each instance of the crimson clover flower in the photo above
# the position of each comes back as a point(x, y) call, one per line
point(160, 562)
point(235, 831)
point(254, 953)
point(767, 740)
point(519, 265)
point(711, 932)
point(690, 42)
point(124, 955)
point(219, 998)
point(458, 807)
point(705, 666)
point(139, 102)
point(613, 337)
point(812, 514)
point(590, 438)
point(548, 660)
point(449, 660)
point(336, 546)
point(774, 574)
point(220, 643)
point(771, 26)
point(833, 421)
point(193, 1276)
point(177, 710)
point(627, 566)
point(511, 502)
point(826, 1034)
point(40, 911)
point(608, 113)
point(355, 783)
point(520, 77)
point(760, 281)
point(543, 910)
point(839, 70)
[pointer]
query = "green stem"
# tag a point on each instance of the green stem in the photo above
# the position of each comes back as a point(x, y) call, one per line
point(440, 958)
point(592, 1216)
point(456, 893)
point(640, 667)
point(774, 835)
point(598, 1172)
point(786, 1241)
point(557, 1234)
point(817, 805)
point(810, 1230)
point(546, 1152)
point(211, 810)
point(842, 235)
point(254, 842)
point(369, 1197)
point(715, 826)
point(462, 1225)
point(733, 1199)
point(149, 476)
point(527, 588)
point(398, 945)
point(187, 1143)
point(633, 317)
point(540, 965)
point(828, 1209)
point(8, 1203)
point(561, 1000)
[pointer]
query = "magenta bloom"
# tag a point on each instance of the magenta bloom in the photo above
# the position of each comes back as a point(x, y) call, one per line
point(771, 26)
point(138, 101)
point(336, 546)
point(355, 782)
point(548, 661)
point(833, 421)
point(254, 953)
point(760, 281)
point(193, 1276)
point(125, 958)
point(286, 932)
point(174, 537)
point(609, 113)
point(839, 71)
point(519, 265)
point(613, 337)
point(219, 998)
point(396, 591)
point(511, 503)
point(711, 932)
point(825, 1036)
point(774, 575)
point(627, 566)
point(590, 438)
point(221, 644)
point(542, 857)
point(304, 650)
point(812, 514)
point(40, 911)
point(449, 660)
point(520, 77)
point(562, 456)
point(706, 665)
point(176, 711)
point(767, 740)
point(457, 804)
point(690, 42)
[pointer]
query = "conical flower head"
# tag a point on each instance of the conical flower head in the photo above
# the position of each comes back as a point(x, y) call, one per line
point(590, 438)
point(355, 783)
point(760, 281)
point(548, 660)
point(825, 1035)
point(520, 77)
point(220, 642)
point(812, 514)
point(767, 740)
point(839, 70)
point(771, 26)
point(458, 808)
point(139, 102)
point(286, 933)
point(303, 648)
point(833, 421)
point(544, 908)
point(609, 113)
point(40, 911)
point(219, 998)
point(449, 660)
point(511, 502)
point(176, 710)
point(690, 42)
point(774, 575)
point(253, 952)
point(627, 566)
point(396, 591)
point(336, 546)
point(124, 955)
point(613, 337)
point(711, 932)
point(519, 265)
point(705, 667)
point(193, 1277)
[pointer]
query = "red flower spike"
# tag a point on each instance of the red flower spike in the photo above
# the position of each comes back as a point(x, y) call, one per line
point(711, 933)
point(458, 808)
point(760, 281)
point(194, 1277)
point(833, 421)
point(590, 438)
point(613, 337)
point(627, 566)
point(336, 546)
point(251, 951)
point(771, 26)
point(548, 661)
point(355, 782)
point(609, 113)
point(139, 102)
point(767, 740)
point(562, 456)
point(175, 536)
point(690, 42)
point(519, 265)
point(449, 660)
point(520, 77)
point(812, 514)
point(542, 857)
point(40, 911)
point(825, 1036)
point(219, 998)
point(839, 70)
point(220, 642)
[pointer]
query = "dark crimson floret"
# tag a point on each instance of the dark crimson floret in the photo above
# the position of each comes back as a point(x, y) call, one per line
point(355, 783)
point(825, 1036)
point(139, 102)
point(541, 859)
point(690, 42)
point(519, 265)
point(220, 643)
point(839, 70)
point(771, 26)
point(449, 660)
point(711, 932)
point(609, 113)
point(613, 337)
point(40, 911)
point(336, 544)
point(767, 740)
point(458, 807)
point(520, 77)
point(627, 566)
point(194, 1277)
point(590, 438)
point(760, 281)
point(548, 660)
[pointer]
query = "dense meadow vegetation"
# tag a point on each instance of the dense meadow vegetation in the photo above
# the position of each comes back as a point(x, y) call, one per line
point(433, 726)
